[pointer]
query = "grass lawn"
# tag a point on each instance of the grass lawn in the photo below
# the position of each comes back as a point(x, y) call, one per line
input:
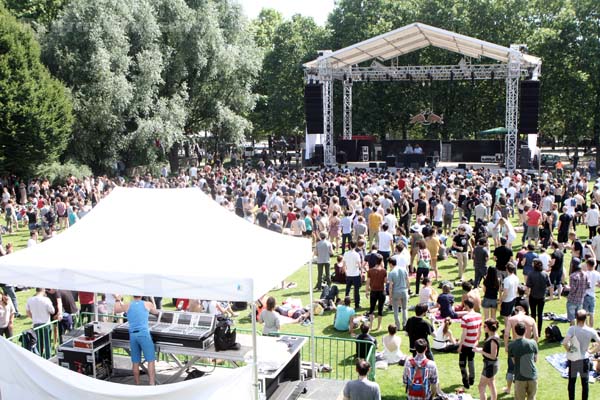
point(551, 385)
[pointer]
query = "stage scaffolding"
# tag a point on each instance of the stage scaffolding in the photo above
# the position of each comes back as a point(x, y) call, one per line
point(343, 65)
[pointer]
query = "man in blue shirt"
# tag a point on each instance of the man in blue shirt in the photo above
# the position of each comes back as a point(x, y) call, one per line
point(139, 335)
point(344, 316)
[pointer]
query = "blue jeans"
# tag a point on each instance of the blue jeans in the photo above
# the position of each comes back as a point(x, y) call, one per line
point(356, 282)
point(572, 310)
point(400, 300)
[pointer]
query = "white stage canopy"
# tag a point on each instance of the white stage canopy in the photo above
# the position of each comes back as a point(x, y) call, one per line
point(160, 242)
point(24, 375)
point(413, 37)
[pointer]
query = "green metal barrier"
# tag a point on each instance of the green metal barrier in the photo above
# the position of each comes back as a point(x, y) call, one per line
point(47, 339)
point(338, 353)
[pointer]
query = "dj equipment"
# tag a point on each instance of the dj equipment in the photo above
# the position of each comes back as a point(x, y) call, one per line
point(174, 328)
point(88, 356)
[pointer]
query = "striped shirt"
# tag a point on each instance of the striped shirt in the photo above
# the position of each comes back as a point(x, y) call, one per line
point(471, 322)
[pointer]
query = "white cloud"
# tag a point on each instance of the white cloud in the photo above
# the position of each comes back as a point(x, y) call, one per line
point(318, 9)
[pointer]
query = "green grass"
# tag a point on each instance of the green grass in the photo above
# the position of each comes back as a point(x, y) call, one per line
point(550, 384)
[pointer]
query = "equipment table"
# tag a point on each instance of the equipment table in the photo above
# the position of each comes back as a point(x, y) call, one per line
point(288, 369)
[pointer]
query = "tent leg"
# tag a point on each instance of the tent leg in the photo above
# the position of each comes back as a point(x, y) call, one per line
point(312, 321)
point(95, 306)
point(254, 353)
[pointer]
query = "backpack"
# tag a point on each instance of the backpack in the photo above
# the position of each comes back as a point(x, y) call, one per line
point(225, 334)
point(418, 380)
point(553, 334)
point(29, 341)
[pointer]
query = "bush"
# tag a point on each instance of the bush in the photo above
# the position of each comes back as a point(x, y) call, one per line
point(58, 173)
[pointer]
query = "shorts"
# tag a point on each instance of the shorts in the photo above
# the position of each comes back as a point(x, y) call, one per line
point(141, 342)
point(589, 303)
point(437, 223)
point(490, 368)
point(489, 303)
point(506, 309)
point(572, 310)
point(533, 232)
point(307, 233)
point(447, 220)
point(556, 277)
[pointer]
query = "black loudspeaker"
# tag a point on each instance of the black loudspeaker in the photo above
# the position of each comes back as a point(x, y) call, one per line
point(390, 161)
point(341, 157)
point(462, 166)
point(525, 158)
point(319, 150)
point(313, 108)
point(529, 106)
point(319, 155)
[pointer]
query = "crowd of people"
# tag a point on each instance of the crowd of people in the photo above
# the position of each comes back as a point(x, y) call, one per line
point(386, 229)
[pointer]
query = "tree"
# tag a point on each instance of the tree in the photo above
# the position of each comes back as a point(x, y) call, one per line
point(38, 12)
point(35, 109)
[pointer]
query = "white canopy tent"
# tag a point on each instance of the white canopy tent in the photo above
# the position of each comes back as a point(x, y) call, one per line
point(161, 242)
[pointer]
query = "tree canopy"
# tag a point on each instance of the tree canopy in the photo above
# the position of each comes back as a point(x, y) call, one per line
point(35, 109)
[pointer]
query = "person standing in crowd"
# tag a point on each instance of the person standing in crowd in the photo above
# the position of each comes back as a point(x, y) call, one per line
point(429, 372)
point(520, 317)
point(140, 340)
point(398, 287)
point(489, 351)
point(385, 241)
point(346, 228)
point(324, 252)
point(354, 269)
point(418, 328)
point(7, 316)
point(362, 388)
point(589, 300)
point(510, 284)
point(434, 245)
point(523, 353)
point(460, 244)
point(556, 271)
point(423, 264)
point(527, 260)
point(491, 287)
point(592, 220)
point(481, 255)
point(502, 255)
point(581, 366)
point(578, 286)
point(471, 330)
point(40, 310)
point(538, 282)
point(86, 305)
point(375, 290)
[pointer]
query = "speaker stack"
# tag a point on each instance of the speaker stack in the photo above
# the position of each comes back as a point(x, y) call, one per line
point(319, 155)
point(525, 158)
point(313, 108)
point(529, 106)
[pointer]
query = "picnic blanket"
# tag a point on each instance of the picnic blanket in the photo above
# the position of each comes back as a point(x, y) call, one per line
point(438, 318)
point(559, 362)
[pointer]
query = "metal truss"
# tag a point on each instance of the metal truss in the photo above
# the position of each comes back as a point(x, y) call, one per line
point(328, 146)
point(512, 113)
point(347, 132)
point(380, 72)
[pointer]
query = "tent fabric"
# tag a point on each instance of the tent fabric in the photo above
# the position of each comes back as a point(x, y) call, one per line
point(416, 36)
point(160, 242)
point(494, 131)
point(24, 375)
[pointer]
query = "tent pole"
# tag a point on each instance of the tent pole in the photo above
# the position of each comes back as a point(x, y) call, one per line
point(312, 320)
point(254, 353)
point(95, 306)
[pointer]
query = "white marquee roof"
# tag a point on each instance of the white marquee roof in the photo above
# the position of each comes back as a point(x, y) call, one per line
point(414, 37)
point(160, 242)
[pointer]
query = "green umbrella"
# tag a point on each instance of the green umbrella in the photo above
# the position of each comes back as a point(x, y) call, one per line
point(494, 131)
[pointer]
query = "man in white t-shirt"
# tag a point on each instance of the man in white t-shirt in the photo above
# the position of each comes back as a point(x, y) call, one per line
point(509, 290)
point(544, 258)
point(589, 300)
point(353, 264)
point(384, 242)
point(592, 220)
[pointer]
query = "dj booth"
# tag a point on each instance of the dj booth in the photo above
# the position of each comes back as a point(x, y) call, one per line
point(189, 335)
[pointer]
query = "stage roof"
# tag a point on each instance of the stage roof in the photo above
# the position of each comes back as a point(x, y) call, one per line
point(416, 36)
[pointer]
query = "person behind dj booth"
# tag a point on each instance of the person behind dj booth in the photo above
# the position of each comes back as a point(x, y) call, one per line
point(140, 340)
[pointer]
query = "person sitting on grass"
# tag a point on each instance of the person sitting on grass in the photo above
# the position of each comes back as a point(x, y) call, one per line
point(443, 340)
point(391, 346)
point(344, 317)
point(445, 302)
point(362, 349)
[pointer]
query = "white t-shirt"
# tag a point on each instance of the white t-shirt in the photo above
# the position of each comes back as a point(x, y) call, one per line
point(593, 278)
point(438, 212)
point(545, 259)
point(385, 240)
point(402, 259)
point(591, 217)
point(41, 309)
point(439, 339)
point(511, 283)
point(352, 260)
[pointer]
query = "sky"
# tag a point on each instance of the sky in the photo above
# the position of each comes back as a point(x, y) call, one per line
point(318, 9)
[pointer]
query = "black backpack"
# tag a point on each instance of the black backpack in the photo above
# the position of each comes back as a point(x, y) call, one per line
point(553, 334)
point(225, 334)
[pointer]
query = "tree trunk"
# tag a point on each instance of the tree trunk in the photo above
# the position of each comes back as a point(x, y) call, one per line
point(174, 158)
